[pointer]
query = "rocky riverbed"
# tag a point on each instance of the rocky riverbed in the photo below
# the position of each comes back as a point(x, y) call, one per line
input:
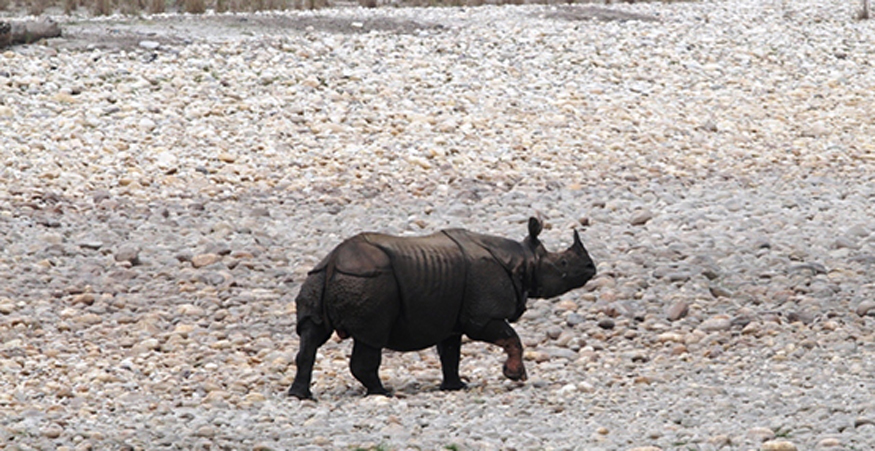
point(166, 182)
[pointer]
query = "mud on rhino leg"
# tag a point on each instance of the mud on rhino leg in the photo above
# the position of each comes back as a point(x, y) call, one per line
point(499, 332)
point(449, 351)
point(365, 366)
point(312, 336)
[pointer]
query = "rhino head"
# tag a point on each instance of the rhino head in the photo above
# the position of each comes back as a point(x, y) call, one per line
point(554, 273)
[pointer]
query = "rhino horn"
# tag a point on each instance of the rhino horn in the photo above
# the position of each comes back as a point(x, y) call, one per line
point(578, 245)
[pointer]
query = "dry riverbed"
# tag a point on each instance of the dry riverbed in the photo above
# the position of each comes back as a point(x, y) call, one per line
point(166, 182)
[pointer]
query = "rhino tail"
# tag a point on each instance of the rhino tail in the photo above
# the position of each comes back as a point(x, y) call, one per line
point(310, 303)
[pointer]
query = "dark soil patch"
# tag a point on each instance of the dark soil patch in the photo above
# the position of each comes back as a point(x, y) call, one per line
point(573, 13)
point(181, 30)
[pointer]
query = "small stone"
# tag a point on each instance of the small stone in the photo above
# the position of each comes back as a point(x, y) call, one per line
point(53, 431)
point(606, 323)
point(149, 344)
point(672, 337)
point(128, 253)
point(83, 298)
point(778, 445)
point(183, 330)
point(677, 311)
point(858, 231)
point(719, 292)
point(205, 431)
point(6, 306)
point(829, 442)
point(150, 45)
point(227, 157)
point(88, 319)
point(91, 244)
point(255, 398)
point(717, 323)
point(574, 319)
point(641, 218)
point(844, 242)
point(761, 433)
point(646, 448)
point(554, 332)
point(146, 124)
point(201, 260)
point(720, 441)
point(863, 421)
point(216, 396)
point(866, 307)
point(567, 305)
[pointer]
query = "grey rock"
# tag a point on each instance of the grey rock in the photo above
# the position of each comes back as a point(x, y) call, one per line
point(866, 307)
point(641, 217)
point(128, 253)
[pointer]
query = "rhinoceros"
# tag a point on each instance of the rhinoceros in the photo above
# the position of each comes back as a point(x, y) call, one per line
point(410, 293)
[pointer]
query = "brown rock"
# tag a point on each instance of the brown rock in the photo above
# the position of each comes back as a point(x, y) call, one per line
point(778, 445)
point(84, 298)
point(53, 431)
point(677, 311)
point(199, 261)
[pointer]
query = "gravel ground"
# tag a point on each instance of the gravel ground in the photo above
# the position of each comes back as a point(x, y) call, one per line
point(168, 181)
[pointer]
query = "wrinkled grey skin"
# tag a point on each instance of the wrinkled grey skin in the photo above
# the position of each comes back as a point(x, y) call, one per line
point(408, 294)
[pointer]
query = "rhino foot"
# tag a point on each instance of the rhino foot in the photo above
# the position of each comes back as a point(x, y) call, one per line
point(515, 372)
point(379, 391)
point(300, 393)
point(453, 386)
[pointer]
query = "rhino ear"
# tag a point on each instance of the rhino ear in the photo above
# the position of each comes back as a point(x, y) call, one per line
point(535, 227)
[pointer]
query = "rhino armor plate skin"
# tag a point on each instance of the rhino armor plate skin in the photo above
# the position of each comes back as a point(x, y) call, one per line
point(411, 293)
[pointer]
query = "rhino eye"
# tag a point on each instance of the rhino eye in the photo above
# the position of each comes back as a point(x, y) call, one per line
point(563, 263)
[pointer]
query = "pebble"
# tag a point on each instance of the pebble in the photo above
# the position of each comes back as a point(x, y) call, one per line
point(716, 323)
point(778, 445)
point(53, 431)
point(677, 310)
point(128, 253)
point(829, 442)
point(201, 260)
point(641, 217)
point(150, 45)
point(606, 323)
point(865, 307)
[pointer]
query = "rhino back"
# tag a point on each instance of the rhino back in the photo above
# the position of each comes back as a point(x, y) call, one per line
point(431, 275)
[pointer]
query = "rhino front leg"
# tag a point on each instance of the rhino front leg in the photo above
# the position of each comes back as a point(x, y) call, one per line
point(449, 351)
point(365, 366)
point(499, 332)
point(312, 336)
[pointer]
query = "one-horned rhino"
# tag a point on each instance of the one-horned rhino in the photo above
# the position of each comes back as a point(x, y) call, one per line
point(410, 293)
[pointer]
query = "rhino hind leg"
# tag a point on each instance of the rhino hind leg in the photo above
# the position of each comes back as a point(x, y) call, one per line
point(313, 336)
point(499, 332)
point(365, 366)
point(449, 351)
